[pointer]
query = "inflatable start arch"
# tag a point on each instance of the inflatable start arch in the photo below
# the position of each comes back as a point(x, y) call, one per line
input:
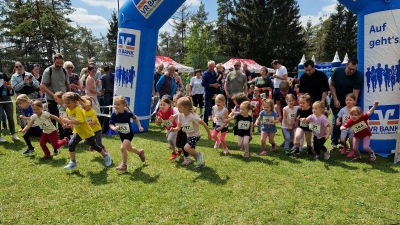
point(138, 25)
point(379, 62)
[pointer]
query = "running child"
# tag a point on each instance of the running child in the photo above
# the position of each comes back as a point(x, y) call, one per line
point(121, 121)
point(219, 114)
point(163, 115)
point(268, 118)
point(289, 121)
point(256, 102)
point(342, 117)
point(81, 129)
point(303, 129)
point(181, 137)
point(62, 111)
point(358, 122)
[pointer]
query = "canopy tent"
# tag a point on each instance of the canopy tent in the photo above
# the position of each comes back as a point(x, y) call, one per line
point(251, 65)
point(167, 60)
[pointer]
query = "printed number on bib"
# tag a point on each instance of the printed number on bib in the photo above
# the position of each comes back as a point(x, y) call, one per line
point(188, 127)
point(304, 124)
point(45, 124)
point(218, 119)
point(123, 128)
point(62, 113)
point(267, 120)
point(315, 127)
point(291, 116)
point(74, 118)
point(167, 123)
point(359, 127)
point(345, 118)
point(244, 125)
point(89, 119)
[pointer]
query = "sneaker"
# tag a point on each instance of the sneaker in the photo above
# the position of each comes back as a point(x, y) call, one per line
point(186, 161)
point(291, 145)
point(356, 159)
point(241, 148)
point(344, 151)
point(70, 166)
point(309, 151)
point(216, 145)
point(14, 137)
point(28, 151)
point(45, 157)
point(351, 154)
point(121, 167)
point(173, 156)
point(264, 152)
point(295, 152)
point(327, 155)
point(273, 148)
point(179, 153)
point(107, 160)
point(316, 157)
point(287, 151)
point(372, 156)
point(200, 161)
point(2, 139)
point(141, 155)
point(226, 151)
point(56, 151)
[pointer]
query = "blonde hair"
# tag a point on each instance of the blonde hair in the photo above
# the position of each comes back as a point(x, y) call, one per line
point(248, 106)
point(221, 97)
point(268, 102)
point(178, 96)
point(23, 98)
point(186, 103)
point(92, 102)
point(59, 94)
point(37, 104)
point(355, 111)
point(319, 104)
point(71, 96)
point(219, 66)
point(290, 96)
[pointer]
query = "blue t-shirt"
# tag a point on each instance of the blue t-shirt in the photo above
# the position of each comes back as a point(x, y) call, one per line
point(122, 118)
point(268, 127)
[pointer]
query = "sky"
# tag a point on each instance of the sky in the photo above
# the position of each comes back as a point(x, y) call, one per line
point(95, 14)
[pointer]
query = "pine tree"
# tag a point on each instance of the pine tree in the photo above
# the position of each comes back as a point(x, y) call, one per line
point(310, 32)
point(180, 22)
point(222, 33)
point(112, 36)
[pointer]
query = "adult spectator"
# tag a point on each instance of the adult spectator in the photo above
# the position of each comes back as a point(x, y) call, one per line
point(179, 82)
point(166, 85)
point(156, 97)
point(235, 82)
point(197, 90)
point(23, 82)
point(210, 84)
point(97, 77)
point(314, 82)
point(90, 86)
point(221, 78)
point(73, 78)
point(263, 82)
point(247, 72)
point(38, 77)
point(344, 80)
point(280, 74)
point(54, 79)
point(107, 84)
point(7, 105)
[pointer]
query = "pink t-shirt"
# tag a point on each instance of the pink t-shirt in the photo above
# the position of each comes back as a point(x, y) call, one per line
point(318, 125)
point(190, 123)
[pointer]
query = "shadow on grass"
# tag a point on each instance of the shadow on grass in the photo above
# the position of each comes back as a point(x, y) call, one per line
point(253, 158)
point(75, 172)
point(139, 175)
point(54, 162)
point(210, 175)
point(99, 178)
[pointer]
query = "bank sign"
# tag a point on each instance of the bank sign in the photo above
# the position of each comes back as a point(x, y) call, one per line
point(147, 7)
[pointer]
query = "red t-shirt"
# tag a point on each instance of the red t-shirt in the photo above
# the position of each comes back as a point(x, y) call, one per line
point(359, 127)
point(165, 117)
point(257, 102)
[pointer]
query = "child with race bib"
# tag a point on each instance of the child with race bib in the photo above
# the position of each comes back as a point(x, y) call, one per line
point(219, 114)
point(342, 117)
point(244, 123)
point(190, 121)
point(289, 121)
point(321, 128)
point(304, 111)
point(80, 128)
point(93, 121)
point(181, 137)
point(62, 111)
point(163, 115)
point(49, 134)
point(269, 118)
point(358, 122)
point(237, 99)
point(257, 103)
point(121, 121)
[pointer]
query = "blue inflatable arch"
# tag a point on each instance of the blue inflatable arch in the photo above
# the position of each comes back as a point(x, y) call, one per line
point(138, 25)
point(379, 63)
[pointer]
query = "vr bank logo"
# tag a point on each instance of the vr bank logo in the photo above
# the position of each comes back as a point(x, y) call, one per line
point(147, 7)
point(385, 119)
point(126, 44)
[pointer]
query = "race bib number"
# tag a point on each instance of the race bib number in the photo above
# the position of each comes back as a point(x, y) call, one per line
point(304, 124)
point(124, 128)
point(167, 123)
point(345, 118)
point(62, 113)
point(218, 119)
point(188, 127)
point(268, 120)
point(291, 116)
point(359, 127)
point(254, 104)
point(45, 124)
point(243, 125)
point(315, 127)
point(74, 118)
point(89, 119)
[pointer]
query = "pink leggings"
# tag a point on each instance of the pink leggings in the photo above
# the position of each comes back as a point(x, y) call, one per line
point(264, 136)
point(356, 142)
point(244, 142)
point(221, 139)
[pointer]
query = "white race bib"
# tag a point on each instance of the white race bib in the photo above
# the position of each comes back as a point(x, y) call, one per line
point(254, 103)
point(124, 128)
point(167, 123)
point(244, 125)
point(267, 119)
point(359, 127)
point(218, 119)
point(44, 124)
point(345, 118)
point(304, 124)
point(315, 127)
point(62, 113)
point(188, 127)
point(74, 118)
point(89, 119)
point(291, 116)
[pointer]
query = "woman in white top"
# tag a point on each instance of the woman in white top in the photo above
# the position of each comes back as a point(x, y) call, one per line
point(197, 90)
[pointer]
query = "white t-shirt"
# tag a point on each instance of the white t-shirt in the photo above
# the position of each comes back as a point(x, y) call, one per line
point(197, 88)
point(44, 122)
point(219, 115)
point(279, 72)
point(291, 115)
point(190, 123)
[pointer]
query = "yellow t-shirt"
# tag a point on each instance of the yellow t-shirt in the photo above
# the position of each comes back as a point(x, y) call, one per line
point(84, 130)
point(90, 117)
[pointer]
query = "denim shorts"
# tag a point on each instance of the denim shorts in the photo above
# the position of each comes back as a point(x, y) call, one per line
point(348, 133)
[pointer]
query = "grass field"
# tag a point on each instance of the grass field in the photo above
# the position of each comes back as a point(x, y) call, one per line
point(273, 189)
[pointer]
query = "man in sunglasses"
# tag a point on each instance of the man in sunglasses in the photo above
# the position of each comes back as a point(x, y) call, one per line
point(235, 82)
point(344, 80)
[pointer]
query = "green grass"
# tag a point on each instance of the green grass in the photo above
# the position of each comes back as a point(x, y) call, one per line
point(274, 189)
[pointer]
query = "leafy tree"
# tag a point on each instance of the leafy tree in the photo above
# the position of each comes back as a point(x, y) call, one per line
point(223, 33)
point(169, 45)
point(180, 22)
